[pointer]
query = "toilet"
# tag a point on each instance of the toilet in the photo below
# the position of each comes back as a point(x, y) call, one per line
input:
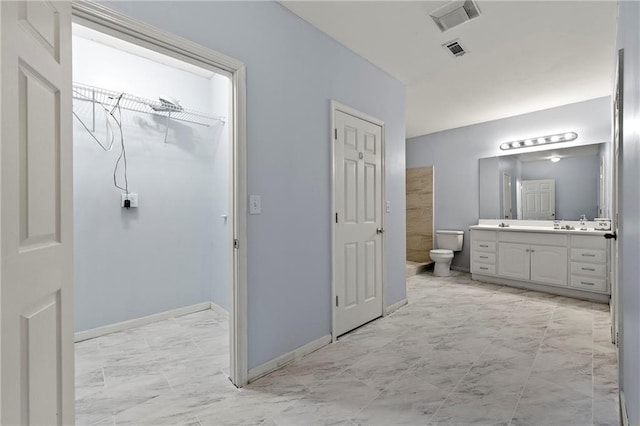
point(448, 242)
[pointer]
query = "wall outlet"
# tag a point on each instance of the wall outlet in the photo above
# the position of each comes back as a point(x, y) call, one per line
point(133, 200)
point(255, 204)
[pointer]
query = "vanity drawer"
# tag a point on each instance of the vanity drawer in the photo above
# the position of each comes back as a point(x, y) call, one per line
point(488, 246)
point(588, 283)
point(533, 238)
point(484, 257)
point(483, 235)
point(588, 255)
point(483, 268)
point(590, 269)
point(595, 242)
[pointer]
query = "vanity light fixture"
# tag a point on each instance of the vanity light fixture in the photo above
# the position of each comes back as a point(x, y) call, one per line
point(542, 140)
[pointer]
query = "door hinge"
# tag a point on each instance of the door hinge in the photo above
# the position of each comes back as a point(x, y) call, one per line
point(236, 243)
point(335, 134)
point(336, 300)
point(336, 217)
point(617, 339)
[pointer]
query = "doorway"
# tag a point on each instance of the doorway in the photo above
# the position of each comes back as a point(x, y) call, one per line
point(357, 218)
point(507, 203)
point(37, 199)
point(419, 226)
point(152, 229)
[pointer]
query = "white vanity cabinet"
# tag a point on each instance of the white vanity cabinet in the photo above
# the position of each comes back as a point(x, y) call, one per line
point(483, 252)
point(533, 257)
point(589, 263)
point(555, 261)
point(515, 261)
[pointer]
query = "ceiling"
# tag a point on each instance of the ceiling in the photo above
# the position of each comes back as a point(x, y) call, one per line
point(523, 56)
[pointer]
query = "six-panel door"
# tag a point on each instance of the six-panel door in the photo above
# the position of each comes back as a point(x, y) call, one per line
point(358, 241)
point(36, 218)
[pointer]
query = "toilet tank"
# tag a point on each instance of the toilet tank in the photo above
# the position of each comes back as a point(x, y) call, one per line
point(449, 240)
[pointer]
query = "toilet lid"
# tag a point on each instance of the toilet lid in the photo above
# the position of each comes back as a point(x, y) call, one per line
point(442, 251)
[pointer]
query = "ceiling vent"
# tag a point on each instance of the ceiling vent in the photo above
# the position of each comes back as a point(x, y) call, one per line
point(455, 13)
point(455, 48)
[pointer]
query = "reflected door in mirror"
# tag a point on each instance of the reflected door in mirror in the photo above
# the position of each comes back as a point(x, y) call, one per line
point(538, 199)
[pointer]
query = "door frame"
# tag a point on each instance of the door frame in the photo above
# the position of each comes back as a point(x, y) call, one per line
point(504, 203)
point(110, 22)
point(336, 106)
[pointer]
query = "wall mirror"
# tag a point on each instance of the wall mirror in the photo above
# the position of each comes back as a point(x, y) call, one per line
point(555, 184)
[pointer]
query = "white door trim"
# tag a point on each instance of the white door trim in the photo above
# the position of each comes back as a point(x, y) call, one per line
point(337, 106)
point(113, 23)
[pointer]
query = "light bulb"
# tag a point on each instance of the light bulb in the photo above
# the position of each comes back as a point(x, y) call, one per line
point(515, 144)
point(555, 138)
point(568, 136)
point(541, 140)
point(504, 146)
point(528, 142)
point(555, 159)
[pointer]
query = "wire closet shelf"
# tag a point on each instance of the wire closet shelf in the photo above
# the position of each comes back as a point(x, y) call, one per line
point(109, 98)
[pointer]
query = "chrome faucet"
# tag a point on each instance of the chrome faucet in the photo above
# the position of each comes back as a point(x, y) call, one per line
point(583, 225)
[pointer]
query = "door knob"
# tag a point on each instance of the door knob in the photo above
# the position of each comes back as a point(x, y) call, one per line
point(380, 231)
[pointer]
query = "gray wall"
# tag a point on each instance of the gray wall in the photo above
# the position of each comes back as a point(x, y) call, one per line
point(293, 71)
point(455, 153)
point(576, 184)
point(629, 240)
point(168, 253)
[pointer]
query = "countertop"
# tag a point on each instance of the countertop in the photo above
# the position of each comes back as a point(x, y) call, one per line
point(544, 229)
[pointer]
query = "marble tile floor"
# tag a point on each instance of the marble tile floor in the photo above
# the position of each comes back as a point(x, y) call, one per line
point(462, 352)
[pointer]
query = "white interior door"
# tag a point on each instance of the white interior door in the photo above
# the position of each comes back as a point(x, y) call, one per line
point(36, 309)
point(358, 228)
point(507, 203)
point(538, 199)
point(615, 200)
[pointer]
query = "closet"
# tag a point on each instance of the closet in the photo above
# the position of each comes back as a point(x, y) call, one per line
point(151, 183)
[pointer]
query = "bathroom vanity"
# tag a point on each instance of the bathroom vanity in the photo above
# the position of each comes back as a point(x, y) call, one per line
point(568, 262)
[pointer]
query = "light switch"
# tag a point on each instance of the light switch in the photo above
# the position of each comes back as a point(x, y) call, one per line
point(388, 206)
point(255, 204)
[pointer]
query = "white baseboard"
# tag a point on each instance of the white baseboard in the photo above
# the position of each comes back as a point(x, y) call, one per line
point(276, 363)
point(219, 310)
point(394, 307)
point(137, 322)
point(623, 409)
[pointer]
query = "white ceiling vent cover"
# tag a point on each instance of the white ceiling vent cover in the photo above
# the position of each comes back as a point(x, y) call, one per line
point(455, 48)
point(455, 13)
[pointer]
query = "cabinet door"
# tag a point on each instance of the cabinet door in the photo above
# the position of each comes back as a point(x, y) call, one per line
point(549, 265)
point(513, 260)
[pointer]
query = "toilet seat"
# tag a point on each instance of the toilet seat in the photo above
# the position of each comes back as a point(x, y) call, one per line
point(442, 252)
